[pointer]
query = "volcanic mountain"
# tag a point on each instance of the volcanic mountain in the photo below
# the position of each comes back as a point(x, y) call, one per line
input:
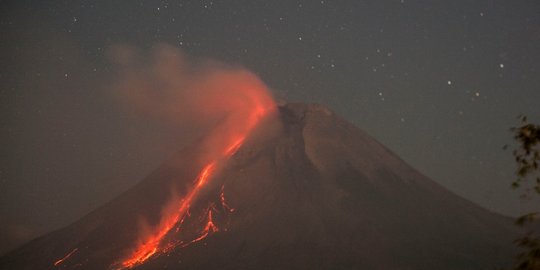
point(306, 190)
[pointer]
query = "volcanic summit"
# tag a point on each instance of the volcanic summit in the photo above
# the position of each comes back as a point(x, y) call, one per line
point(305, 190)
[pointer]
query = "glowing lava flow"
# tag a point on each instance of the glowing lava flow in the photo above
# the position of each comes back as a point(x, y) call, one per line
point(65, 257)
point(149, 247)
point(210, 227)
point(154, 243)
point(224, 202)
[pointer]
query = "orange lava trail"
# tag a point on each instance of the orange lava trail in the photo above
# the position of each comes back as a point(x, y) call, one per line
point(234, 146)
point(152, 244)
point(223, 201)
point(210, 227)
point(65, 257)
point(148, 248)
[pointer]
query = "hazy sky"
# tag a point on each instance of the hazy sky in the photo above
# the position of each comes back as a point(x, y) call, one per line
point(438, 82)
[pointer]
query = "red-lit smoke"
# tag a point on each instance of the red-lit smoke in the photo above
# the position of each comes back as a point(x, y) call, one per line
point(169, 86)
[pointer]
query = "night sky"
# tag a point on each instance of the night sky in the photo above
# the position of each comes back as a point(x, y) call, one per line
point(438, 82)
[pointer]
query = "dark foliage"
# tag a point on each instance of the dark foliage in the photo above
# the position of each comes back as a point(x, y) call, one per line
point(527, 157)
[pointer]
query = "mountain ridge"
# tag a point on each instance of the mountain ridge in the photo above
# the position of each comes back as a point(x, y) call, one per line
point(309, 191)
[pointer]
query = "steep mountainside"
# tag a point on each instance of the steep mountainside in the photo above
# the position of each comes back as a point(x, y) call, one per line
point(307, 190)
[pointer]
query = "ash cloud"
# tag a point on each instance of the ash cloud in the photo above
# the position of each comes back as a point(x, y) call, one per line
point(185, 93)
point(226, 101)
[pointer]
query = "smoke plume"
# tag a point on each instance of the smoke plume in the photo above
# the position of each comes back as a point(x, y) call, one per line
point(182, 92)
point(168, 85)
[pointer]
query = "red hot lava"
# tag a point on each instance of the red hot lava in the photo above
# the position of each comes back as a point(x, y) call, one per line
point(246, 102)
point(209, 228)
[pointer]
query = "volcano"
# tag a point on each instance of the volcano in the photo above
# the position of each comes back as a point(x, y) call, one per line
point(305, 190)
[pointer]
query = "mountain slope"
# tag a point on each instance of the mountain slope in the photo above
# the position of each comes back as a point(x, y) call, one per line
point(307, 190)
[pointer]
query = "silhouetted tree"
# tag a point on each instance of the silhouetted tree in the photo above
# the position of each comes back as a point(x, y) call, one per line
point(527, 157)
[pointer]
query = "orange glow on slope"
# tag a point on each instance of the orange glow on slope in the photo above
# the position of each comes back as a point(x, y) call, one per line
point(210, 227)
point(234, 146)
point(224, 202)
point(65, 257)
point(224, 142)
point(146, 249)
